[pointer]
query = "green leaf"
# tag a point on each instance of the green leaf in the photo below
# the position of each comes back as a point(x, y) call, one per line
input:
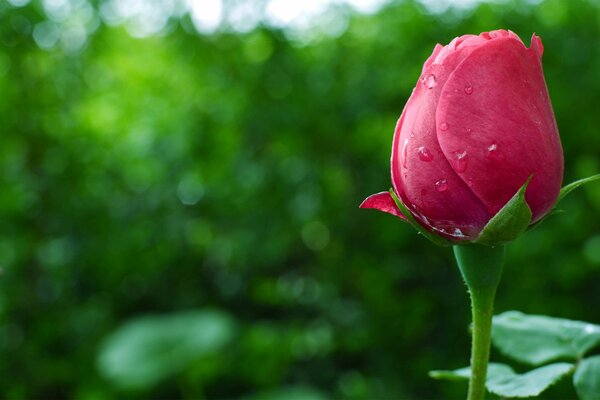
point(510, 222)
point(587, 379)
point(532, 383)
point(503, 381)
point(440, 241)
point(465, 373)
point(537, 339)
point(574, 185)
point(149, 349)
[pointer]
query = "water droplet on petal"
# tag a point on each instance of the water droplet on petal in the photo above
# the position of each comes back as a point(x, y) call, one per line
point(468, 89)
point(412, 134)
point(441, 185)
point(460, 161)
point(443, 126)
point(429, 81)
point(458, 233)
point(493, 153)
point(404, 155)
point(468, 130)
point(425, 154)
point(470, 182)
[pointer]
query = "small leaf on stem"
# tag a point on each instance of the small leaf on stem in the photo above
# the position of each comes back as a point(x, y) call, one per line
point(503, 381)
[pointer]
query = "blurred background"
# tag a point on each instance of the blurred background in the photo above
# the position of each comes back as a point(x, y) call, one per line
point(179, 191)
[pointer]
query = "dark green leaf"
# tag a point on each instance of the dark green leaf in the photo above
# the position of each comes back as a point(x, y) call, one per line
point(440, 241)
point(587, 379)
point(510, 222)
point(574, 185)
point(509, 384)
point(465, 373)
point(503, 381)
point(537, 339)
point(146, 350)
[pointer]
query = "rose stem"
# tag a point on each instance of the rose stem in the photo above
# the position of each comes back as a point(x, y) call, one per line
point(481, 268)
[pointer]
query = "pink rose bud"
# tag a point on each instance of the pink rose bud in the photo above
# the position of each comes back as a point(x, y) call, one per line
point(478, 124)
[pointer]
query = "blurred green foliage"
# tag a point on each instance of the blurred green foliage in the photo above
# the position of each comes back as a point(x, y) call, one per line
point(222, 173)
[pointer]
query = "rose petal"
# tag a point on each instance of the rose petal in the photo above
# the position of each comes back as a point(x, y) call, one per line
point(505, 124)
point(438, 197)
point(383, 201)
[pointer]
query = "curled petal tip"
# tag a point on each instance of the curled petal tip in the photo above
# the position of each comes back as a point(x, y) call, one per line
point(384, 202)
point(536, 45)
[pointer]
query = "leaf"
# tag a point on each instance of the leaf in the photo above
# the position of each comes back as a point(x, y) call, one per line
point(149, 349)
point(503, 381)
point(465, 373)
point(537, 339)
point(440, 241)
point(587, 379)
point(574, 185)
point(510, 222)
point(532, 383)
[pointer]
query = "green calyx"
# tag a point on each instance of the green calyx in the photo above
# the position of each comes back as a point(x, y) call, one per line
point(440, 241)
point(508, 224)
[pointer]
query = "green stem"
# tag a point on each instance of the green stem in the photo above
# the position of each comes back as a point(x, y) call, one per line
point(481, 268)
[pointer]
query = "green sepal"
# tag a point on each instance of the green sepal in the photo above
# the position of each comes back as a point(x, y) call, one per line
point(574, 185)
point(563, 193)
point(510, 222)
point(440, 241)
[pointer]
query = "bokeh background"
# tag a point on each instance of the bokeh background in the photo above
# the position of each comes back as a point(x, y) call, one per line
point(179, 190)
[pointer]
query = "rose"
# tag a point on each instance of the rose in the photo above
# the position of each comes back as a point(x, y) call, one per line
point(478, 124)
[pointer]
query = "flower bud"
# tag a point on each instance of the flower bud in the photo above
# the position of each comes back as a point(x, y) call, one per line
point(478, 124)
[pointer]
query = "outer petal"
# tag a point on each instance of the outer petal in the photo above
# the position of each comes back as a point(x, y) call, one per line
point(382, 201)
point(501, 127)
point(422, 177)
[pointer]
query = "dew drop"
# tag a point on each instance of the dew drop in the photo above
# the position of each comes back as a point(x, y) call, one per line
point(404, 153)
point(441, 185)
point(468, 89)
point(443, 126)
point(429, 81)
point(468, 130)
point(458, 233)
point(493, 153)
point(425, 154)
point(460, 161)
point(470, 182)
